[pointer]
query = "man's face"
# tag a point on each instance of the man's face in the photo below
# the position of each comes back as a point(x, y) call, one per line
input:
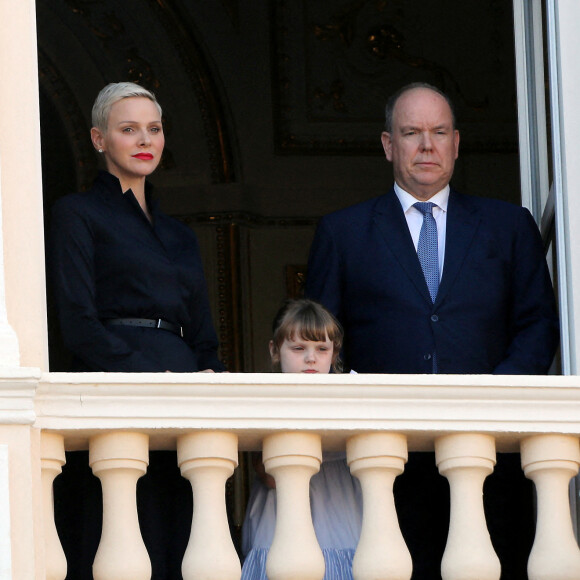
point(423, 145)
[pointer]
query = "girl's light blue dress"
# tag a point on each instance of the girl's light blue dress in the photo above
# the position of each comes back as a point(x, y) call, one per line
point(336, 504)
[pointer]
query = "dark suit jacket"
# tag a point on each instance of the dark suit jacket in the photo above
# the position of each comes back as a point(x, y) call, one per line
point(495, 310)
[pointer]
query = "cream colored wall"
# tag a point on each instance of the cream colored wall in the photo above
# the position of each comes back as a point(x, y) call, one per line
point(27, 542)
point(21, 184)
point(5, 542)
point(22, 234)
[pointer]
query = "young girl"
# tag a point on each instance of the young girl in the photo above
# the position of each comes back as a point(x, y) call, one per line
point(307, 339)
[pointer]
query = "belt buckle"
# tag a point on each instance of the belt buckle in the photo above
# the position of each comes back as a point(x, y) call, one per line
point(159, 321)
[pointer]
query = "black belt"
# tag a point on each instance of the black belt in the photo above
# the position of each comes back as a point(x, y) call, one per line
point(146, 323)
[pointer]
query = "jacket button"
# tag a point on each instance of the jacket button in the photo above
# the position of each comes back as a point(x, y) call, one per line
point(434, 318)
point(427, 356)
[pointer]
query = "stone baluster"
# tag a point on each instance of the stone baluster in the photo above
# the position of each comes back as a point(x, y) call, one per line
point(466, 459)
point(292, 459)
point(207, 459)
point(376, 459)
point(52, 458)
point(119, 459)
point(550, 461)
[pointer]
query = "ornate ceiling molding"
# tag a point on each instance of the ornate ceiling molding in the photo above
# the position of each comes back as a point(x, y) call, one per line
point(335, 64)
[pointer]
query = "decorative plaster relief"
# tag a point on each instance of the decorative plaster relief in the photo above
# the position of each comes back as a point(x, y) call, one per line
point(336, 63)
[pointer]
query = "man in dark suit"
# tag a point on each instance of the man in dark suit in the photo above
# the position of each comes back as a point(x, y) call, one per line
point(484, 302)
point(494, 310)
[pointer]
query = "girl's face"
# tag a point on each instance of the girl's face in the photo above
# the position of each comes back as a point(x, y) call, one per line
point(134, 140)
point(304, 356)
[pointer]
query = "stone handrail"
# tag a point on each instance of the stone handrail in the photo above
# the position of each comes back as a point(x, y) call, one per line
point(256, 404)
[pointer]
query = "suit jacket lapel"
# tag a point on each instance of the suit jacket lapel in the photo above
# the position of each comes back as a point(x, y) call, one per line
point(123, 212)
point(462, 222)
point(391, 223)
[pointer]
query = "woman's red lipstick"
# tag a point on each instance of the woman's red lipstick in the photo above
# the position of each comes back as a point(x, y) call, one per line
point(144, 156)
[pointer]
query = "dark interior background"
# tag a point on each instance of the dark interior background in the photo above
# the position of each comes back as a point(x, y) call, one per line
point(273, 112)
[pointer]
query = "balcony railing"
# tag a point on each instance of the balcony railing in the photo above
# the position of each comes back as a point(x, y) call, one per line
point(377, 419)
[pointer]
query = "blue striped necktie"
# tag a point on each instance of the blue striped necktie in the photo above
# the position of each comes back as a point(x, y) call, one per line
point(428, 253)
point(427, 249)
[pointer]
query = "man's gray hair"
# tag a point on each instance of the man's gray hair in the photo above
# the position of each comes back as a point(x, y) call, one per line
point(113, 93)
point(389, 108)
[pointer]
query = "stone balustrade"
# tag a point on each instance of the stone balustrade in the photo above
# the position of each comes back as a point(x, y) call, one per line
point(377, 420)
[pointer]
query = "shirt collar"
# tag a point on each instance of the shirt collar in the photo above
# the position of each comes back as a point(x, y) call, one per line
point(441, 198)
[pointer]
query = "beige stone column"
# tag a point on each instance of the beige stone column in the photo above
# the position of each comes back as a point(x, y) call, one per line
point(5, 539)
point(207, 459)
point(21, 182)
point(550, 461)
point(52, 458)
point(119, 459)
point(24, 518)
point(466, 459)
point(292, 459)
point(9, 349)
point(376, 459)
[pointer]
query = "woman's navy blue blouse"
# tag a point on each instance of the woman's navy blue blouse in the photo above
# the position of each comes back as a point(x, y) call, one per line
point(108, 261)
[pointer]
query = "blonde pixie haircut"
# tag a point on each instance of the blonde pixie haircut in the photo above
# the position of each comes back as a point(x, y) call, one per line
point(307, 320)
point(113, 93)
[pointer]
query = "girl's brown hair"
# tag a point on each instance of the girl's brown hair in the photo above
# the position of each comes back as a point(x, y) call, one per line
point(307, 320)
